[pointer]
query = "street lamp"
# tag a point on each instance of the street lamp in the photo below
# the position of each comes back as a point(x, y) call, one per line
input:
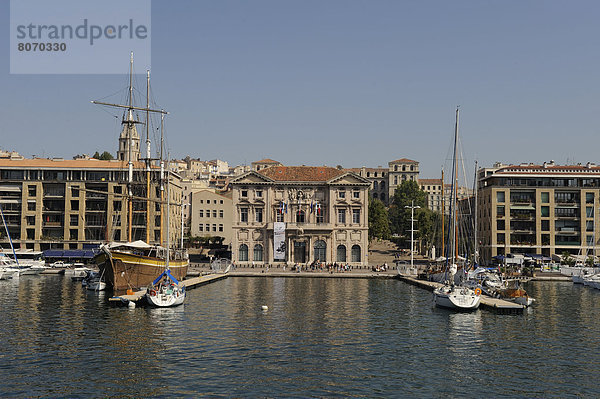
point(412, 230)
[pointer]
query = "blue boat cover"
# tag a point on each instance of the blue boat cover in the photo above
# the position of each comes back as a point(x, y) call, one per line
point(167, 273)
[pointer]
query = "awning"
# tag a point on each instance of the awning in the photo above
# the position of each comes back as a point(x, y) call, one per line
point(135, 244)
point(70, 253)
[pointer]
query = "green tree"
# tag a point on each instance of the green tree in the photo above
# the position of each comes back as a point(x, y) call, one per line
point(105, 156)
point(568, 259)
point(400, 211)
point(379, 223)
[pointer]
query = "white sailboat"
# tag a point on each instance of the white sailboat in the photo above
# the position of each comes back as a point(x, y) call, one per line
point(166, 290)
point(11, 268)
point(451, 295)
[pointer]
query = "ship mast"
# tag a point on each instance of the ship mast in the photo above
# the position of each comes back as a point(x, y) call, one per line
point(130, 122)
point(130, 161)
point(162, 175)
point(443, 217)
point(147, 156)
point(476, 247)
point(454, 249)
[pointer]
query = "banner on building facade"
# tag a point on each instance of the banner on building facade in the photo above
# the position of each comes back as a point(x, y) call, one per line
point(279, 241)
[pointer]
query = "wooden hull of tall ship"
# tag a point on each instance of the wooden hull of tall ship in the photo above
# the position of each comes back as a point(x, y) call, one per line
point(124, 270)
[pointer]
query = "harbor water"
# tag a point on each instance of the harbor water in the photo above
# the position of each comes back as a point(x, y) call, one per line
point(320, 337)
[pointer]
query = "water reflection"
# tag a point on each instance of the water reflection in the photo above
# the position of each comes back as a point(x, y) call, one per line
point(320, 337)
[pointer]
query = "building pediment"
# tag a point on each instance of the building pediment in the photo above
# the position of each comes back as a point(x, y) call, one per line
point(251, 177)
point(350, 178)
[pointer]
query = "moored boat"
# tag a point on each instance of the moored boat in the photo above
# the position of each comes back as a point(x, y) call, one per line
point(136, 264)
point(457, 297)
point(451, 295)
point(165, 291)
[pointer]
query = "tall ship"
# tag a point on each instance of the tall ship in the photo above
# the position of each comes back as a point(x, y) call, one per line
point(135, 263)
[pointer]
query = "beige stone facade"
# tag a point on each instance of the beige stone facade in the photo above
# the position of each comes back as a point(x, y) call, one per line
point(324, 211)
point(538, 209)
point(379, 181)
point(264, 163)
point(385, 181)
point(435, 195)
point(401, 170)
point(72, 204)
point(211, 214)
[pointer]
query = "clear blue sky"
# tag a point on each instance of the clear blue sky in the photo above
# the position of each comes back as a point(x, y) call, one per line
point(339, 82)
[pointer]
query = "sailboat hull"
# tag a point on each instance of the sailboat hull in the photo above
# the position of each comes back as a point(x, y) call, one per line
point(123, 271)
point(165, 298)
point(457, 298)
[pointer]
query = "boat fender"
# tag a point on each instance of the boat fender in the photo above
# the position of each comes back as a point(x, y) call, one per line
point(477, 291)
point(152, 293)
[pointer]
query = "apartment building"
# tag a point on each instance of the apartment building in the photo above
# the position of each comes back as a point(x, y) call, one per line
point(76, 204)
point(544, 209)
point(211, 214)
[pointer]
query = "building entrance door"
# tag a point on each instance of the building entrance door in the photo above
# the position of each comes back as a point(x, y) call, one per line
point(299, 251)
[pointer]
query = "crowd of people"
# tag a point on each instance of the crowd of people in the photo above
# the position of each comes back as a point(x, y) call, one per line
point(380, 268)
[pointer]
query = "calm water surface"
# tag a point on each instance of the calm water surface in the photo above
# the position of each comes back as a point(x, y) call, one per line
point(319, 338)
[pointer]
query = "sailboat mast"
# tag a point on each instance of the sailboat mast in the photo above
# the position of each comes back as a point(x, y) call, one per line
point(162, 175)
point(8, 234)
point(168, 212)
point(147, 156)
point(443, 216)
point(475, 247)
point(129, 155)
point(454, 188)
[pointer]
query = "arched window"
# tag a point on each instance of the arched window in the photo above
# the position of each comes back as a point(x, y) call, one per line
point(355, 253)
point(382, 196)
point(368, 174)
point(382, 185)
point(395, 168)
point(395, 180)
point(320, 249)
point(375, 195)
point(374, 185)
point(258, 253)
point(243, 255)
point(300, 217)
point(341, 253)
point(403, 168)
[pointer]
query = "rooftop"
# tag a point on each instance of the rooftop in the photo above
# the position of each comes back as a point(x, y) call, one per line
point(267, 160)
point(430, 181)
point(46, 163)
point(302, 173)
point(404, 160)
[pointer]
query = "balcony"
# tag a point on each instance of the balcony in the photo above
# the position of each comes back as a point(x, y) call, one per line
point(52, 224)
point(567, 230)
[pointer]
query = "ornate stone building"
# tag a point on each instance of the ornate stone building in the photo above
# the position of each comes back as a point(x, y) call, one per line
point(311, 213)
